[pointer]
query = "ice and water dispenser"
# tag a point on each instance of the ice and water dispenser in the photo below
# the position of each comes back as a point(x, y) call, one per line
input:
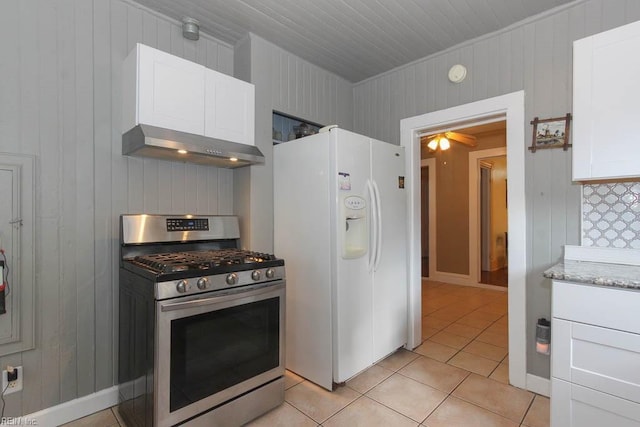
point(356, 227)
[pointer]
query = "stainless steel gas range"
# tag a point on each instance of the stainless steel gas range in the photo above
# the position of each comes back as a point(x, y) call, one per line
point(201, 323)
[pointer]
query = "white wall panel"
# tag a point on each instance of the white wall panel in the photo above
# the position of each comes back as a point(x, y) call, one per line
point(536, 57)
point(290, 85)
point(60, 86)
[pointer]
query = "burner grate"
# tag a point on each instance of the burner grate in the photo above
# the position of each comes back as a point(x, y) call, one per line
point(200, 260)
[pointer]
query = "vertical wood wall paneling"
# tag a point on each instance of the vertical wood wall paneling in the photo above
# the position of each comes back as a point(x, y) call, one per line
point(28, 135)
point(84, 226)
point(48, 249)
point(632, 8)
point(536, 57)
point(104, 231)
point(178, 199)
point(225, 60)
point(212, 184)
point(9, 111)
point(544, 175)
point(190, 186)
point(67, 119)
point(225, 192)
point(8, 88)
point(107, 322)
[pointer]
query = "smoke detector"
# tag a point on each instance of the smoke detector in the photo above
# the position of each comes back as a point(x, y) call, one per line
point(190, 28)
point(457, 73)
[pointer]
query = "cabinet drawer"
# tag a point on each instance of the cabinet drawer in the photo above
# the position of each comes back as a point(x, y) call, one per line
point(608, 307)
point(576, 406)
point(598, 358)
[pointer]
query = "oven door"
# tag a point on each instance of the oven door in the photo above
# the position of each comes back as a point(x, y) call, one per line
point(215, 347)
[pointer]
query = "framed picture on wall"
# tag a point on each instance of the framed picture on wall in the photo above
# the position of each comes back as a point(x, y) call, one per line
point(551, 133)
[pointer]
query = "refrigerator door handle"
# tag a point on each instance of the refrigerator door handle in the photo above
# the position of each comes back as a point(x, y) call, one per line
point(378, 216)
point(373, 241)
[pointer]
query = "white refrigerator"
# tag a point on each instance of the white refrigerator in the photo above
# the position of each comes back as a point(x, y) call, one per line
point(340, 226)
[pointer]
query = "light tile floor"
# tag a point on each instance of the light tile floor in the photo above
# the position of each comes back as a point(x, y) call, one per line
point(457, 377)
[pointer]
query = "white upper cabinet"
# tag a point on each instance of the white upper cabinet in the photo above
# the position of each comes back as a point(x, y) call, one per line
point(606, 85)
point(229, 108)
point(163, 90)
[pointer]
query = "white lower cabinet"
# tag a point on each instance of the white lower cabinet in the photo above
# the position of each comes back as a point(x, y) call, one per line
point(595, 356)
point(576, 406)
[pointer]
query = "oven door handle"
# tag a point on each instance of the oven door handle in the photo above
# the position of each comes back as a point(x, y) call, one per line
point(172, 306)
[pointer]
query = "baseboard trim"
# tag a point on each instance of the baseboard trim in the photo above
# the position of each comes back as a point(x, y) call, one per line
point(452, 278)
point(75, 409)
point(462, 281)
point(539, 385)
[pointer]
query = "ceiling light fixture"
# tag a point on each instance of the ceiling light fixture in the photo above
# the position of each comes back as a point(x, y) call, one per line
point(439, 141)
point(182, 151)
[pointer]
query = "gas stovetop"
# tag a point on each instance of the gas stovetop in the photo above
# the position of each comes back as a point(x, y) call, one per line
point(186, 264)
point(208, 261)
point(183, 255)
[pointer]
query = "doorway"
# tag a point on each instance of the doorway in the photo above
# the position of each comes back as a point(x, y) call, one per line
point(494, 163)
point(508, 107)
point(454, 211)
point(493, 215)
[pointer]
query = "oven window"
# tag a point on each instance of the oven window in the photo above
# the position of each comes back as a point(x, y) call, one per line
point(213, 351)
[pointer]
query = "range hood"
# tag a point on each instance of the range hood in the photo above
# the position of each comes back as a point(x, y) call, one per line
point(167, 144)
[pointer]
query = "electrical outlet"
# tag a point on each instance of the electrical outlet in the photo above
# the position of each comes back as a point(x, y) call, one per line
point(12, 386)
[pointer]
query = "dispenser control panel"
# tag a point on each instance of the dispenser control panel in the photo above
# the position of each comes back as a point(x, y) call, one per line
point(354, 202)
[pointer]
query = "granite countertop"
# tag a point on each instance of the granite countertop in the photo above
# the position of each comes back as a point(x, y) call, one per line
point(596, 273)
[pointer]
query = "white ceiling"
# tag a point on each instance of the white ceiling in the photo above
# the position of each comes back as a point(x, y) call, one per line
point(355, 39)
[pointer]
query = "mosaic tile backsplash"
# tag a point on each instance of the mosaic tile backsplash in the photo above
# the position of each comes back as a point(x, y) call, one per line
point(611, 215)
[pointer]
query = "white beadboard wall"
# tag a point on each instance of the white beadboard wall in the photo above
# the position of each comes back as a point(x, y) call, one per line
point(290, 85)
point(60, 101)
point(536, 56)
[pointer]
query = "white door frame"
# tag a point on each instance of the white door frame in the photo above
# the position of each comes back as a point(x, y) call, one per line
point(511, 107)
point(474, 198)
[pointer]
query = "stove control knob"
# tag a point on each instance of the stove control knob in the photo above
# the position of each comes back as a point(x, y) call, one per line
point(270, 273)
point(232, 279)
point(203, 283)
point(255, 275)
point(182, 286)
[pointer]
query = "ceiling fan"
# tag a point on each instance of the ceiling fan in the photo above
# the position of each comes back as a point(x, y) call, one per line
point(443, 139)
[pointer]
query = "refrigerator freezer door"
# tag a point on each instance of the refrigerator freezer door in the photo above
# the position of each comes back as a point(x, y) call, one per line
point(353, 333)
point(303, 238)
point(390, 280)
